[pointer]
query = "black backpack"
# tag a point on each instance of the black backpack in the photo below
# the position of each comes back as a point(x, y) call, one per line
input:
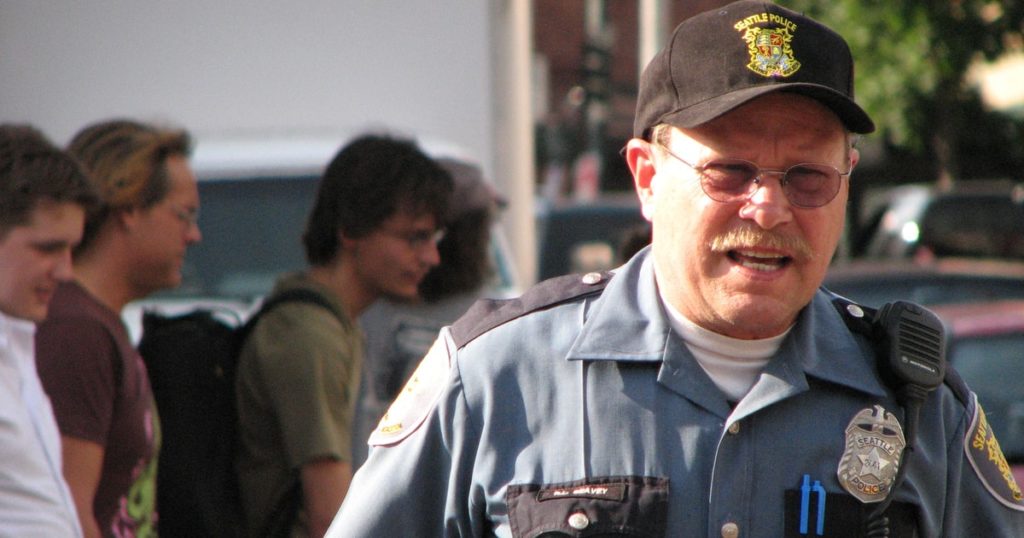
point(192, 360)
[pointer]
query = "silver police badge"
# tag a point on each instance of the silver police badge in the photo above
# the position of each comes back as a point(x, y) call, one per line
point(874, 444)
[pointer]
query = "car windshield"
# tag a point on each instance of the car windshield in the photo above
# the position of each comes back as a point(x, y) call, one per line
point(987, 226)
point(993, 367)
point(251, 232)
point(980, 219)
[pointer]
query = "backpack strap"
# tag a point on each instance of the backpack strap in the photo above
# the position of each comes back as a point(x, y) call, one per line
point(296, 295)
point(299, 295)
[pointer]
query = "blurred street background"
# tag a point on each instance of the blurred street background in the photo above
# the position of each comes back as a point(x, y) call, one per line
point(540, 93)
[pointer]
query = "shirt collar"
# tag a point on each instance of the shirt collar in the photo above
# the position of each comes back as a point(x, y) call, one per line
point(17, 336)
point(628, 324)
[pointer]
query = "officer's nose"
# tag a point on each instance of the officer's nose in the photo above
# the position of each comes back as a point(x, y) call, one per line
point(768, 206)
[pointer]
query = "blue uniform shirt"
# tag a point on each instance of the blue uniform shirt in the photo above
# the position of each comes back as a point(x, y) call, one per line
point(582, 412)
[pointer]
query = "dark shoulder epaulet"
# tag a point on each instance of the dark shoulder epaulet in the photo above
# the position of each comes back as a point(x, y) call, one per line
point(487, 314)
point(860, 319)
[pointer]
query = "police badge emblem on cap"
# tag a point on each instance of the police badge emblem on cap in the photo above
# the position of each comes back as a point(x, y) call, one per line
point(771, 52)
point(718, 60)
point(874, 446)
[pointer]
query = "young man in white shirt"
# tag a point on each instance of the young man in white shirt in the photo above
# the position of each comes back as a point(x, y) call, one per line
point(44, 196)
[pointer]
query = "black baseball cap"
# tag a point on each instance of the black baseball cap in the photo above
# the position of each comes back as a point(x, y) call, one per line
point(725, 57)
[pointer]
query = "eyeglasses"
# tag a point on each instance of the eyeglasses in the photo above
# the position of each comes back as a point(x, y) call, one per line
point(419, 239)
point(734, 180)
point(188, 217)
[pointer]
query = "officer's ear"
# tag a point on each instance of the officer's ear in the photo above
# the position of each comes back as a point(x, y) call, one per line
point(641, 160)
point(854, 158)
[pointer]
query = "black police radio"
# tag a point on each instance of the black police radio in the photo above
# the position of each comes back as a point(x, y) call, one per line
point(911, 345)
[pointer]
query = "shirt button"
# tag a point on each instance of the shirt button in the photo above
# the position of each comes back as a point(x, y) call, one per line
point(734, 428)
point(730, 530)
point(579, 521)
point(592, 278)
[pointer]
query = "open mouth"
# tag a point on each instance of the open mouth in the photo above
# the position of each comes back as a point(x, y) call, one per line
point(758, 260)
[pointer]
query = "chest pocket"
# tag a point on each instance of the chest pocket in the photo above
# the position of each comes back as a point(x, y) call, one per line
point(593, 508)
point(838, 515)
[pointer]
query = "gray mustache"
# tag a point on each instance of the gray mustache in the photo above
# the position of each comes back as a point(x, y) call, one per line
point(756, 237)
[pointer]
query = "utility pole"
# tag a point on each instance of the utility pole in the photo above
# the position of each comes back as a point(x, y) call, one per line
point(651, 30)
point(514, 160)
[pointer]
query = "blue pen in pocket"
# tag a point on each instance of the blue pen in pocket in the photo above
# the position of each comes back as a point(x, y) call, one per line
point(805, 500)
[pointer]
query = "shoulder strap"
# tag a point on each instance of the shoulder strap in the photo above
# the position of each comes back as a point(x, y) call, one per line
point(296, 295)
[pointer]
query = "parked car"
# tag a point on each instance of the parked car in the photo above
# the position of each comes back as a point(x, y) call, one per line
point(579, 237)
point(255, 195)
point(940, 281)
point(975, 219)
point(986, 346)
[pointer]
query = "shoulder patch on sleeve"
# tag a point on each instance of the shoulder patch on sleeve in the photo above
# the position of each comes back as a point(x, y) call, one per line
point(487, 314)
point(417, 398)
point(987, 460)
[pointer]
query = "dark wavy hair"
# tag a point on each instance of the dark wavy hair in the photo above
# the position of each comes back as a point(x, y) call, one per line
point(465, 260)
point(368, 181)
point(32, 170)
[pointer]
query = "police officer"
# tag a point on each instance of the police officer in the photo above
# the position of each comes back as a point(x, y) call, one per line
point(709, 387)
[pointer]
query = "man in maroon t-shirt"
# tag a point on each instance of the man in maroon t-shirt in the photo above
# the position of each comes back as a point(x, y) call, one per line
point(134, 245)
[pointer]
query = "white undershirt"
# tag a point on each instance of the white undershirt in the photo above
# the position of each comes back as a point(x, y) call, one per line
point(733, 364)
point(34, 498)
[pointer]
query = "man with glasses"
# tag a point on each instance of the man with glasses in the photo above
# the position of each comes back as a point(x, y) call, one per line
point(709, 386)
point(134, 244)
point(372, 233)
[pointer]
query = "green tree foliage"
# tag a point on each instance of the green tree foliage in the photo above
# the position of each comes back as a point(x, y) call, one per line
point(913, 59)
